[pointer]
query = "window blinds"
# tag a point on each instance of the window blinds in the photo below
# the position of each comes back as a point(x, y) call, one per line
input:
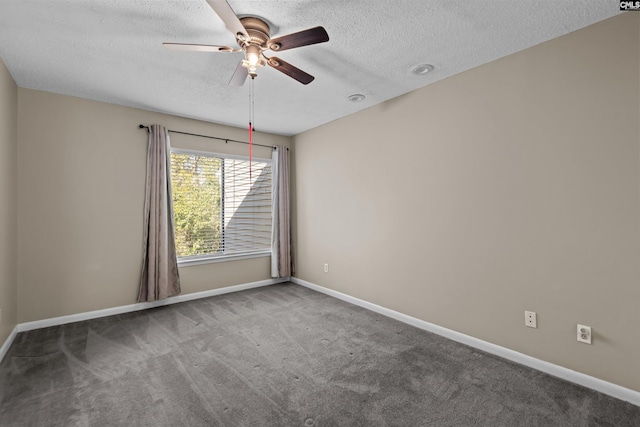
point(220, 208)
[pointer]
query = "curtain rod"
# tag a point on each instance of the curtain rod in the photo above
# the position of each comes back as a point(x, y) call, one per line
point(226, 140)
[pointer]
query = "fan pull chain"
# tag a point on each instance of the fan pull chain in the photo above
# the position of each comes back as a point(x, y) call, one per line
point(250, 129)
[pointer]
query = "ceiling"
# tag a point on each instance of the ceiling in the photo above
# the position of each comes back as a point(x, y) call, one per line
point(111, 51)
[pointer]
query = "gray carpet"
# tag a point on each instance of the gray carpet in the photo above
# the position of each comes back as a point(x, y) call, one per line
point(282, 355)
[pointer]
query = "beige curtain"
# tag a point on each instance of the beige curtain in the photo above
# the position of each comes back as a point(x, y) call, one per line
point(159, 277)
point(281, 254)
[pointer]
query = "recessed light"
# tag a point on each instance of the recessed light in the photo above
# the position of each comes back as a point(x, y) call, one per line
point(356, 97)
point(422, 69)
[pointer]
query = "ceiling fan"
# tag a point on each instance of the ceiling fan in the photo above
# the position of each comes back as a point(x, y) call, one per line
point(253, 36)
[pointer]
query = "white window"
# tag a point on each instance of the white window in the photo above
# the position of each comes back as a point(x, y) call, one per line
point(220, 208)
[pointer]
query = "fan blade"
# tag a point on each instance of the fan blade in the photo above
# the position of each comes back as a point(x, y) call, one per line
point(229, 17)
point(239, 75)
point(302, 38)
point(198, 47)
point(290, 70)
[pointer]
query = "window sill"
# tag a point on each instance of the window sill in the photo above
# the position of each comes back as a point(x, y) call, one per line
point(220, 258)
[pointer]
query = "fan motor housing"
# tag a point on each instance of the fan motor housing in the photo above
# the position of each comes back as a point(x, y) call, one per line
point(258, 31)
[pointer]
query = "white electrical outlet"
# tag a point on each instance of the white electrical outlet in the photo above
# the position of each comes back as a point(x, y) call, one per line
point(530, 319)
point(584, 334)
point(326, 268)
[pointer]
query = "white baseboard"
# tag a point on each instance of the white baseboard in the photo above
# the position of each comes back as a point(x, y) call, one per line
point(44, 323)
point(584, 380)
point(37, 324)
point(8, 342)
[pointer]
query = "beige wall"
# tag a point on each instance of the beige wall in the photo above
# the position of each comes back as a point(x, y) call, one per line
point(81, 188)
point(513, 186)
point(8, 206)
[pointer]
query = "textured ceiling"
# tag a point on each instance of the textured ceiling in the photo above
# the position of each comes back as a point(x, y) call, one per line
point(111, 51)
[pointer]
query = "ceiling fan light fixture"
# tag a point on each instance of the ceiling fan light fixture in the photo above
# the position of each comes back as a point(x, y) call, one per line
point(422, 69)
point(253, 35)
point(356, 97)
point(253, 60)
point(253, 55)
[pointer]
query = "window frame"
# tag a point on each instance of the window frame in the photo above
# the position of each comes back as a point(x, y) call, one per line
point(214, 258)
